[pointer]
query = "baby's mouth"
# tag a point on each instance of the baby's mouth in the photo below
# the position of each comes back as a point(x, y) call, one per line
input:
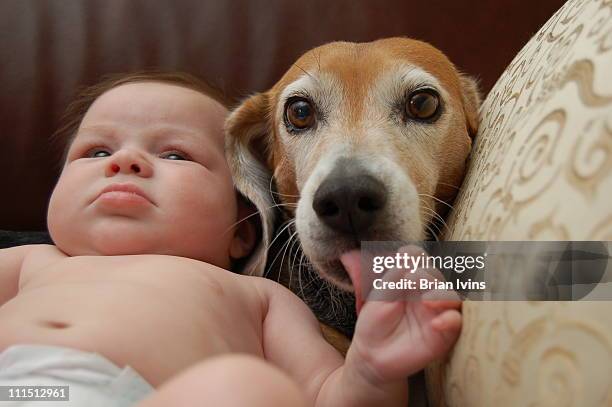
point(122, 195)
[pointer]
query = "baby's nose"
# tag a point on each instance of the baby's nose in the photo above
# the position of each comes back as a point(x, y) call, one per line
point(129, 162)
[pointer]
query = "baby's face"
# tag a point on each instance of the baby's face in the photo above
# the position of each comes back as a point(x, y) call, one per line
point(146, 173)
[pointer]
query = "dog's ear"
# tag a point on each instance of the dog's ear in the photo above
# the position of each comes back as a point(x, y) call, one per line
point(247, 146)
point(470, 97)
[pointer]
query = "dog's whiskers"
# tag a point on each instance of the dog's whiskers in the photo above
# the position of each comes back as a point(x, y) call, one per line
point(271, 191)
point(433, 234)
point(289, 204)
point(295, 254)
point(284, 195)
point(283, 227)
point(307, 73)
point(290, 242)
point(458, 188)
point(438, 199)
point(257, 212)
point(430, 209)
point(434, 216)
point(299, 274)
point(233, 225)
point(435, 220)
point(307, 273)
point(332, 301)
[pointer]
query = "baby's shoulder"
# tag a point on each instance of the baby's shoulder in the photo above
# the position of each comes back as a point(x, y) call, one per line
point(265, 285)
point(275, 294)
point(41, 255)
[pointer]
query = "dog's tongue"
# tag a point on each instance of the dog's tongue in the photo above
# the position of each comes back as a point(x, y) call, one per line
point(352, 264)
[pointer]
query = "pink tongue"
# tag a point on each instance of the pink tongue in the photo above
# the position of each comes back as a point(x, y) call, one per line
point(352, 264)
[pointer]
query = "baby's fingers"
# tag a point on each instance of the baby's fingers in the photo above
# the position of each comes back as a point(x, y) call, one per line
point(447, 321)
point(440, 305)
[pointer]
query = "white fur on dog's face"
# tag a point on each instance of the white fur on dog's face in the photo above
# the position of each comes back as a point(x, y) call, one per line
point(358, 93)
point(381, 143)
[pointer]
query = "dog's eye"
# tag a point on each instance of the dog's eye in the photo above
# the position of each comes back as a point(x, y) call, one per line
point(299, 113)
point(422, 104)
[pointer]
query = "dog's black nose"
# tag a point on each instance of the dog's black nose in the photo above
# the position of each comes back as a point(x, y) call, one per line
point(349, 203)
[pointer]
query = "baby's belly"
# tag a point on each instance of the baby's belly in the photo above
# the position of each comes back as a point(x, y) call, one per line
point(159, 326)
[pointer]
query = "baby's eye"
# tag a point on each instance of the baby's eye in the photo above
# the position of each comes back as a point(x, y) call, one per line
point(98, 153)
point(175, 155)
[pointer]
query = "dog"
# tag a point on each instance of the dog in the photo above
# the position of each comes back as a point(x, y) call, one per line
point(356, 142)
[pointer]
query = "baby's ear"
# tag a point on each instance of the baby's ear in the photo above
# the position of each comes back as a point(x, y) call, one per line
point(246, 233)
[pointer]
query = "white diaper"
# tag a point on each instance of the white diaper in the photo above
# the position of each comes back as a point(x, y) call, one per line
point(93, 380)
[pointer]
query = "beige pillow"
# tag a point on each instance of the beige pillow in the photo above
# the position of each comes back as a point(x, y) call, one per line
point(541, 169)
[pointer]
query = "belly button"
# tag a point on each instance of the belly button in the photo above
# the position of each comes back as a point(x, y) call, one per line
point(56, 324)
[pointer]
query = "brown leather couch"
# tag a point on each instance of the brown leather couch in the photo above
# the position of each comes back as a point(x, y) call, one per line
point(50, 48)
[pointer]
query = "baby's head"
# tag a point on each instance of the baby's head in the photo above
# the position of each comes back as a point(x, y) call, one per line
point(145, 173)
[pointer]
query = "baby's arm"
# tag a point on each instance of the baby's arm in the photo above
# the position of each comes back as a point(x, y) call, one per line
point(11, 261)
point(392, 341)
point(293, 341)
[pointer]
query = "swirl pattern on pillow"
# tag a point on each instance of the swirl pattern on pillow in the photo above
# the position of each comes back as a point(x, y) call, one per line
point(541, 169)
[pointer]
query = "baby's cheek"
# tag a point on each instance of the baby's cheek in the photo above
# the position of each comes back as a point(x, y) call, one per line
point(205, 200)
point(203, 224)
point(61, 215)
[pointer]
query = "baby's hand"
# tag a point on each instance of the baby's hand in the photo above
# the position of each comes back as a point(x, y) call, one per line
point(394, 339)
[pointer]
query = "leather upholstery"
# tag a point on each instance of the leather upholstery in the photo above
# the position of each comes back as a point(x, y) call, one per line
point(50, 48)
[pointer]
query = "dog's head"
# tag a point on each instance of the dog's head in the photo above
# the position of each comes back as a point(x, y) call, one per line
point(361, 141)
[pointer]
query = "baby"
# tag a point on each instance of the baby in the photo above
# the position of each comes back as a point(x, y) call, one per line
point(135, 302)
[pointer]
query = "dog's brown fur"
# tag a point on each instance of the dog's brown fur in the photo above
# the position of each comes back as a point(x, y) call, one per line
point(261, 156)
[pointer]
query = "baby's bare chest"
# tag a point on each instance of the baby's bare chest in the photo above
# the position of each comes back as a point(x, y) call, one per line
point(131, 307)
point(162, 288)
point(174, 275)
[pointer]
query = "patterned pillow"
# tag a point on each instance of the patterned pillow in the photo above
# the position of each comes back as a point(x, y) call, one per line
point(541, 169)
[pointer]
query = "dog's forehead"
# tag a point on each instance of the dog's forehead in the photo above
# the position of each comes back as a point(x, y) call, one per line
point(358, 65)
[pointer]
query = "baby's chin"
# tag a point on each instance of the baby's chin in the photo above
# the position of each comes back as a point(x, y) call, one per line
point(84, 249)
point(100, 244)
point(127, 247)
